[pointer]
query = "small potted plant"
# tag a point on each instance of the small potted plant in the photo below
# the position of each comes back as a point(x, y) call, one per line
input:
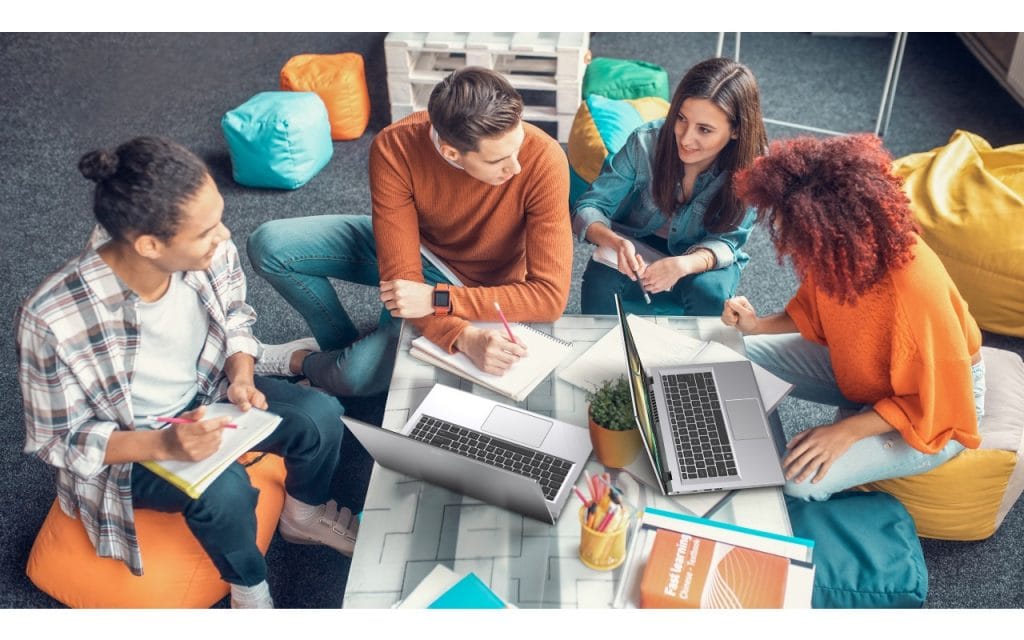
point(613, 430)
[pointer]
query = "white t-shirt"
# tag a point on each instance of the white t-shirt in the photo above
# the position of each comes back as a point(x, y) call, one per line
point(172, 332)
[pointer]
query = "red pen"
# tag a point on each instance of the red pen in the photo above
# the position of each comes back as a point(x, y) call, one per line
point(607, 518)
point(580, 494)
point(504, 321)
point(229, 425)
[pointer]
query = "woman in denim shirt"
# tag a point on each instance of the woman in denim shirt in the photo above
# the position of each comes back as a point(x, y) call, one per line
point(670, 188)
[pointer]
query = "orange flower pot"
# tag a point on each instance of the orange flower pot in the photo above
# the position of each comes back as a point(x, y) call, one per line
point(615, 449)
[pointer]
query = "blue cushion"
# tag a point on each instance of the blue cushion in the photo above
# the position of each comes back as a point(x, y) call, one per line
point(278, 139)
point(866, 551)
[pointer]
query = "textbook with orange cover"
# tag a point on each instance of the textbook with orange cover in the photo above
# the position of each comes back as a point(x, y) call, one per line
point(685, 571)
point(682, 561)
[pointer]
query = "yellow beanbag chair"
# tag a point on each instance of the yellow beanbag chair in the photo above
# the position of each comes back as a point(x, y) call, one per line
point(969, 199)
point(968, 497)
point(340, 81)
point(178, 574)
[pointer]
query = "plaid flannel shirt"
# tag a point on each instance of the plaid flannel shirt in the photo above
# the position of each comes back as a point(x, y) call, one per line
point(77, 338)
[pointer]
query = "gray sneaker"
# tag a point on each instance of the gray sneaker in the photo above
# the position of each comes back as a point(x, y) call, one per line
point(331, 526)
point(275, 359)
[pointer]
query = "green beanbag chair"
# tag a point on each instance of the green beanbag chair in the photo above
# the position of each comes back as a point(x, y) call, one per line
point(278, 139)
point(624, 79)
point(866, 551)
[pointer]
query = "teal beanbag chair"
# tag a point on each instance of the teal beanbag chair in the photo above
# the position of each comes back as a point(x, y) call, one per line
point(624, 79)
point(866, 551)
point(278, 139)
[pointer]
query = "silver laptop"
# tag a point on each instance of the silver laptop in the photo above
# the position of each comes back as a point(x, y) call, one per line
point(499, 454)
point(703, 425)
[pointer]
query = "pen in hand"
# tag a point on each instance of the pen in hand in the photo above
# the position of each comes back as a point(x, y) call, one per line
point(504, 322)
point(640, 284)
point(229, 425)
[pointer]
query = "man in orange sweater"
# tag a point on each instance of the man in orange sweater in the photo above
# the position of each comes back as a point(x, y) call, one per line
point(470, 182)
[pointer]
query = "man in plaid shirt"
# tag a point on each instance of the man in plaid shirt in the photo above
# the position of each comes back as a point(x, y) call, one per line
point(151, 319)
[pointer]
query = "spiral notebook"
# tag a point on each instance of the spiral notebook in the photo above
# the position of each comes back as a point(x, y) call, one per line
point(544, 353)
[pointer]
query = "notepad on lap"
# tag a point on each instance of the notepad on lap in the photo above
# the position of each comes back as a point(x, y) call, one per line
point(544, 353)
point(194, 477)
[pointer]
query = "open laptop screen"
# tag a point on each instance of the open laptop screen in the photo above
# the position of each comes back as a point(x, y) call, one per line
point(639, 391)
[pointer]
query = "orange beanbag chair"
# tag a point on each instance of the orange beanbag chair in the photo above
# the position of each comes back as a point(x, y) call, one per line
point(178, 574)
point(340, 81)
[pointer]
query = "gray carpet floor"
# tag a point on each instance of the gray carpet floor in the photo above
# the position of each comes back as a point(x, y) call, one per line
point(65, 94)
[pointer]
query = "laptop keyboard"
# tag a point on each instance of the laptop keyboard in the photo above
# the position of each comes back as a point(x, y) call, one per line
point(698, 428)
point(549, 471)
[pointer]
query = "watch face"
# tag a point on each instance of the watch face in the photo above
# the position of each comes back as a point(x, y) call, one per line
point(442, 299)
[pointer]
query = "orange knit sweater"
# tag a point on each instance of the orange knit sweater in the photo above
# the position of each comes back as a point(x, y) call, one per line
point(904, 347)
point(510, 243)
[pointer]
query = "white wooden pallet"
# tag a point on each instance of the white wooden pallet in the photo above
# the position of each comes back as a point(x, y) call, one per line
point(531, 61)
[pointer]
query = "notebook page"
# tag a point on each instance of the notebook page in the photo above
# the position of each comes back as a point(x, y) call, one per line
point(544, 353)
point(253, 426)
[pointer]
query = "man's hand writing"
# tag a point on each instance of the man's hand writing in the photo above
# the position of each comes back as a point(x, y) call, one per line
point(491, 351)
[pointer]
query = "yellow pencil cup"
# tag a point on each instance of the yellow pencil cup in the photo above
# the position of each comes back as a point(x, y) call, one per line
point(603, 550)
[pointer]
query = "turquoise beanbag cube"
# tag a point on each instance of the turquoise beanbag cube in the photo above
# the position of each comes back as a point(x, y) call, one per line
point(278, 139)
point(866, 551)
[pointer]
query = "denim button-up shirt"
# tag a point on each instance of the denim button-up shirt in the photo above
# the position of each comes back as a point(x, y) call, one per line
point(621, 198)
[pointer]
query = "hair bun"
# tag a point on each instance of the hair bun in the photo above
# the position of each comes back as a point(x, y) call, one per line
point(98, 165)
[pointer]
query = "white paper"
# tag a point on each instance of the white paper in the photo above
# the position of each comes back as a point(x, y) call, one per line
point(608, 257)
point(544, 353)
point(661, 347)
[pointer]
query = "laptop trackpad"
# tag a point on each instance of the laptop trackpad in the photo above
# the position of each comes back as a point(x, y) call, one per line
point(747, 419)
point(517, 426)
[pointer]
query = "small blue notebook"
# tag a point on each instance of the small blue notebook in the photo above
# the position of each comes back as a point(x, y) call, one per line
point(468, 593)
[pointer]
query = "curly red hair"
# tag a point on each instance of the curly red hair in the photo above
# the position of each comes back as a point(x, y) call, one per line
point(835, 207)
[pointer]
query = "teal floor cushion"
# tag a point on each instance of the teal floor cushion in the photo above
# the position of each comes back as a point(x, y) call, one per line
point(866, 551)
point(278, 139)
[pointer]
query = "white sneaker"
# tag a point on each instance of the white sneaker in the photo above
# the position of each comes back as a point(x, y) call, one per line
point(275, 360)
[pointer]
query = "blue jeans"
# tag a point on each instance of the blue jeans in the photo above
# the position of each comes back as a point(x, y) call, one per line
point(298, 257)
point(223, 518)
point(702, 294)
point(808, 366)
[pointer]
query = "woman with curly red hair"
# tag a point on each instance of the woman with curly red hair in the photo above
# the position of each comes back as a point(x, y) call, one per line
point(876, 328)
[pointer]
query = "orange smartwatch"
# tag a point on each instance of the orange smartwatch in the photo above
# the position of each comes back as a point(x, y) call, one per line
point(442, 299)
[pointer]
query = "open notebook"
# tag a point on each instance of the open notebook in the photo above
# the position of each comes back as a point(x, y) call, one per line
point(194, 477)
point(544, 353)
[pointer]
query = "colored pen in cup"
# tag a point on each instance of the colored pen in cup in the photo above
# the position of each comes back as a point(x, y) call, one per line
point(504, 321)
point(229, 425)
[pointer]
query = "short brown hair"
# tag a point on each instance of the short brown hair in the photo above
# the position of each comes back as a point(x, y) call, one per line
point(473, 103)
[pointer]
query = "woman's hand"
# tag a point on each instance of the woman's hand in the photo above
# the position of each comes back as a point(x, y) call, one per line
point(812, 452)
point(631, 264)
point(491, 351)
point(663, 274)
point(739, 313)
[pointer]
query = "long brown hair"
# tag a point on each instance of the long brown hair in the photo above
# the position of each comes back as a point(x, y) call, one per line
point(731, 87)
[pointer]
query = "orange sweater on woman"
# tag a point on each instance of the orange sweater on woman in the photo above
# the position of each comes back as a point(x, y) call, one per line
point(510, 243)
point(905, 347)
